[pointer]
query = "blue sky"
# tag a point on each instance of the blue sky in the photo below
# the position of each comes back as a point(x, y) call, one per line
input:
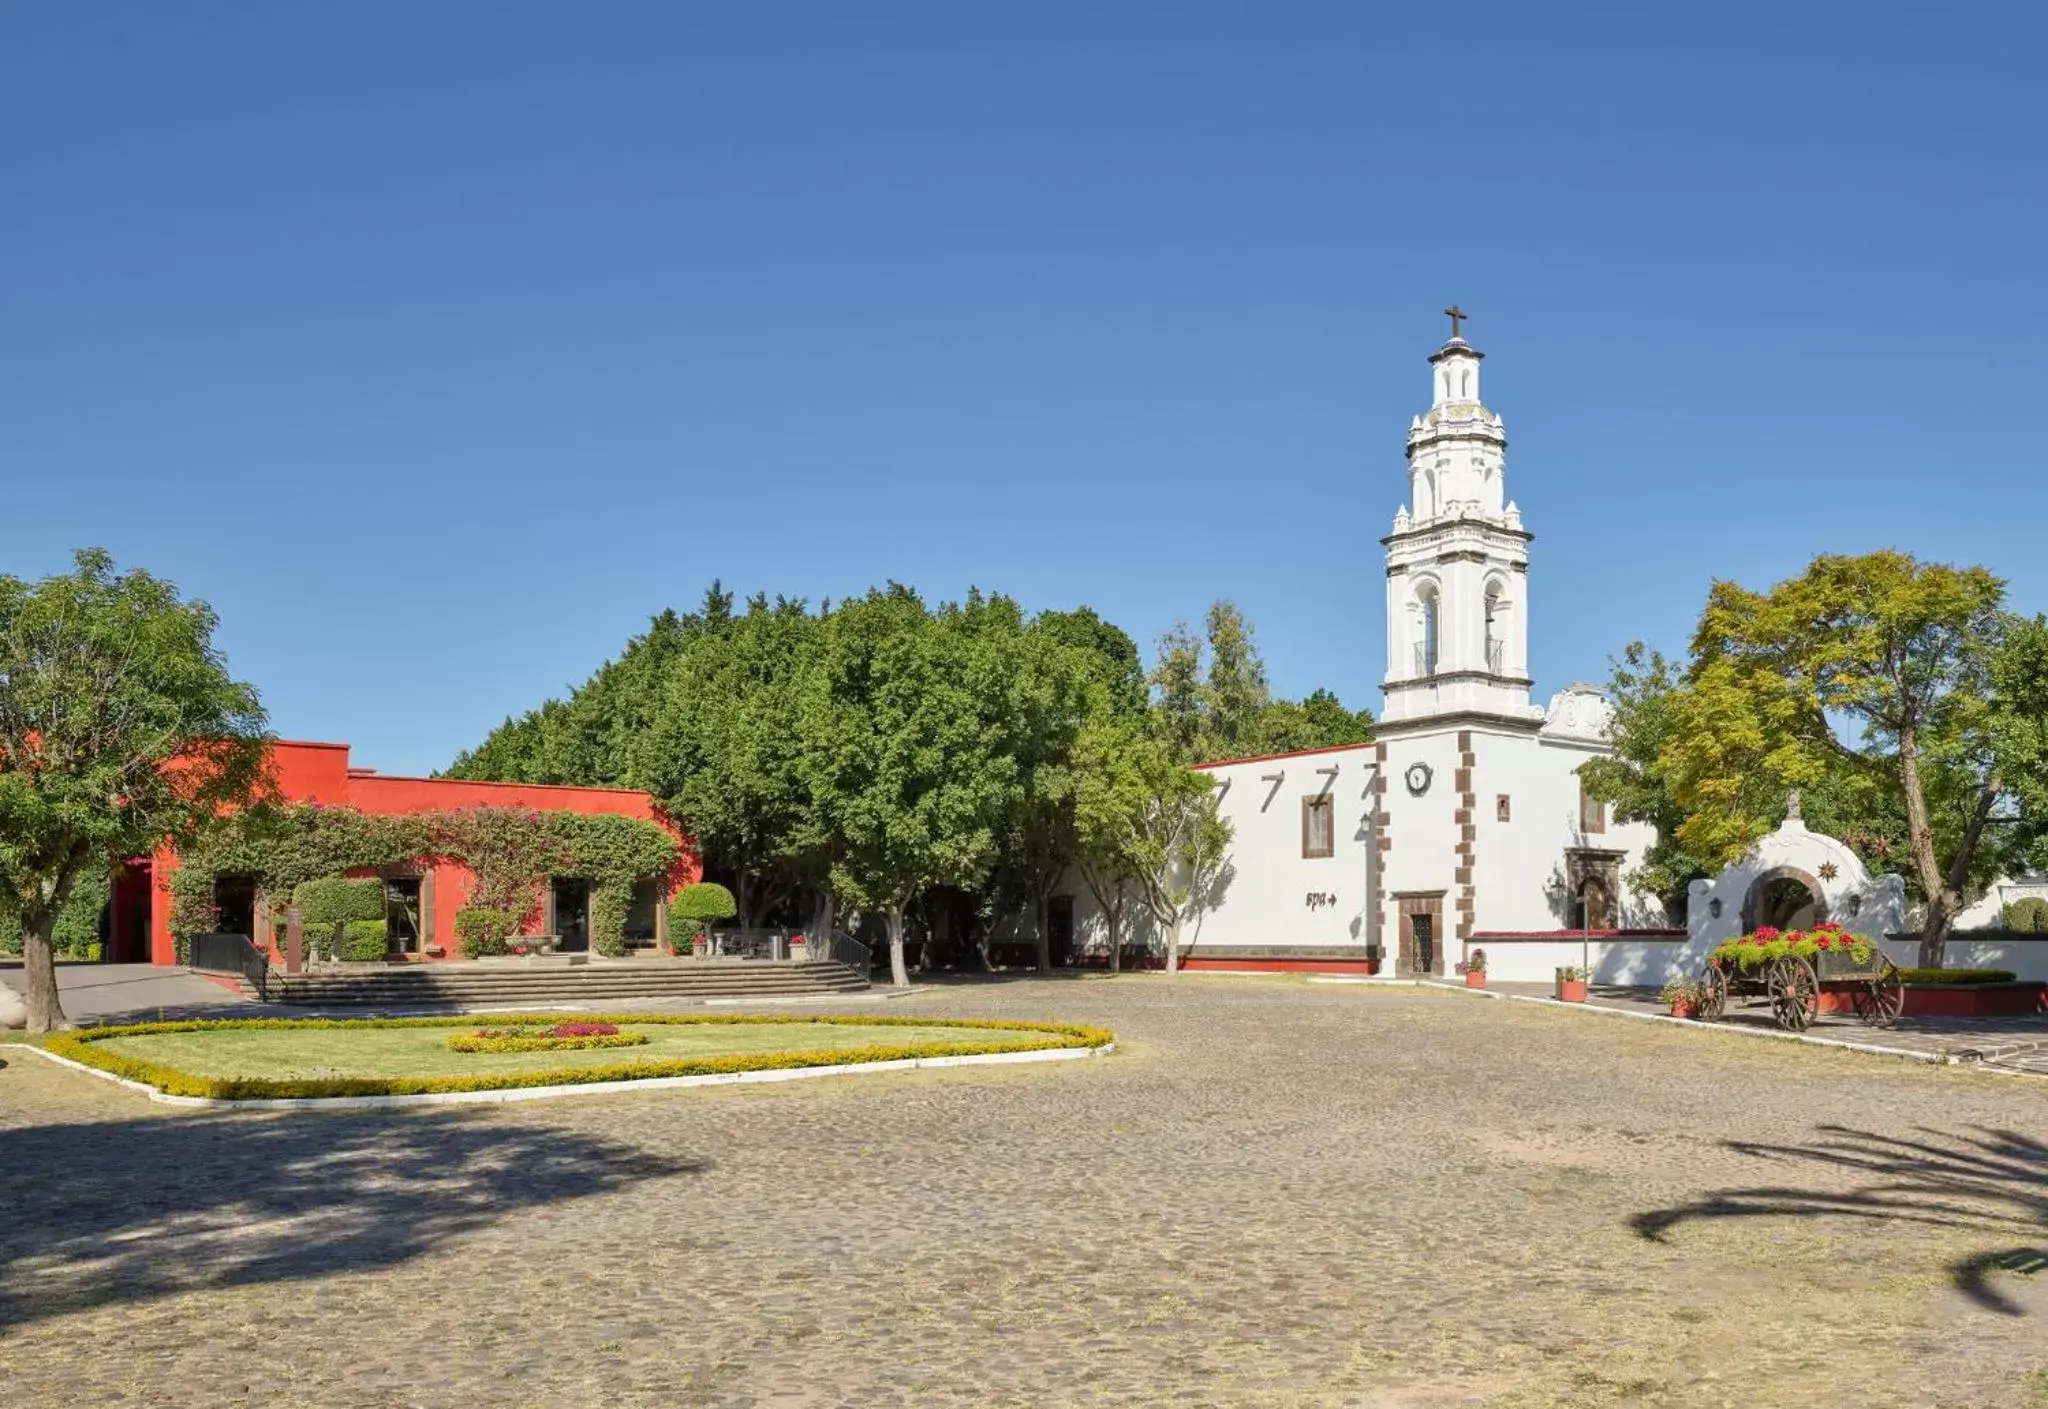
point(440, 345)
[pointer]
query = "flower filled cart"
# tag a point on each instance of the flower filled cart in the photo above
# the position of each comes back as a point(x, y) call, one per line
point(1789, 970)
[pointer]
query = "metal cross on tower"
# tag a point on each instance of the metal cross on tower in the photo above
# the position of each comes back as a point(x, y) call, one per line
point(1457, 315)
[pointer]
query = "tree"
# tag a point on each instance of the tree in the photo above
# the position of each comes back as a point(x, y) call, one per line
point(1147, 821)
point(697, 907)
point(1318, 721)
point(120, 728)
point(1896, 695)
point(1212, 700)
point(902, 756)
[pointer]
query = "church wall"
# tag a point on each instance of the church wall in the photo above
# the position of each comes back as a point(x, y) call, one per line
point(1424, 832)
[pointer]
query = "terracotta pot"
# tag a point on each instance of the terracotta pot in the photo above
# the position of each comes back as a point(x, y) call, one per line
point(1475, 978)
point(1684, 1010)
point(1571, 990)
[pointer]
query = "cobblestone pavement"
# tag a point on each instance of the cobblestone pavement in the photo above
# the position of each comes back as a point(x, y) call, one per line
point(1274, 1194)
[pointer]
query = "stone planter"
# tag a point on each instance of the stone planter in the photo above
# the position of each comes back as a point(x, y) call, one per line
point(1571, 990)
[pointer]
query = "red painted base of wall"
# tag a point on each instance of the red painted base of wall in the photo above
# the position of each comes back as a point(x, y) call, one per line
point(1957, 1000)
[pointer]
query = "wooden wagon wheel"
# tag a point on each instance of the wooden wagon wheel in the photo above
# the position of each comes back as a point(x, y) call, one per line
point(1881, 997)
point(1795, 993)
point(1713, 994)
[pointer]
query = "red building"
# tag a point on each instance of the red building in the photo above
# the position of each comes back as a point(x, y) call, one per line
point(431, 889)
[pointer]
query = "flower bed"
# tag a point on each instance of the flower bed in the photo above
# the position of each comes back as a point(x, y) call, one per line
point(975, 1037)
point(1768, 945)
point(562, 1037)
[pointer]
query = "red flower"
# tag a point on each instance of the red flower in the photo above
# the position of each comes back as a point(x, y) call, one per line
point(1828, 925)
point(1766, 933)
point(1821, 940)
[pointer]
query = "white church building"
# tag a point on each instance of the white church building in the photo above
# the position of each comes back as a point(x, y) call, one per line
point(1463, 824)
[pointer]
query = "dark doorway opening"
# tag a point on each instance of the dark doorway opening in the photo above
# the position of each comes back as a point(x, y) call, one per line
point(571, 899)
point(402, 915)
point(132, 906)
point(235, 899)
point(1420, 934)
point(1059, 929)
point(641, 927)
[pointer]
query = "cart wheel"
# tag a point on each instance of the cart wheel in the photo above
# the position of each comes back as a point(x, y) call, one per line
point(1713, 994)
point(1795, 993)
point(1881, 997)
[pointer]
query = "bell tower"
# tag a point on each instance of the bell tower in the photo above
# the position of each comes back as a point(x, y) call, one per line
point(1458, 565)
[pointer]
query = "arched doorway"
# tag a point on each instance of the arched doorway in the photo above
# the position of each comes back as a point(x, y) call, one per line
point(1784, 898)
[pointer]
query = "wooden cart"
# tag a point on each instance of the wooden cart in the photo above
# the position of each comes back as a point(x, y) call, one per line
point(1791, 987)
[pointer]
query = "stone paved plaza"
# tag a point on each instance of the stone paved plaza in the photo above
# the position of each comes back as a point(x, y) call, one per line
point(1275, 1194)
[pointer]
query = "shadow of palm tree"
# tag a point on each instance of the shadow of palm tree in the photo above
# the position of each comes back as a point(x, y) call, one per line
point(125, 1211)
point(1985, 1181)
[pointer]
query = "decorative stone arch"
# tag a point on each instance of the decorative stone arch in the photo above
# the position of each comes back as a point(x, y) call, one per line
point(1842, 888)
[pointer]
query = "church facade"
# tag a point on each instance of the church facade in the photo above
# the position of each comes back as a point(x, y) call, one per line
point(1463, 824)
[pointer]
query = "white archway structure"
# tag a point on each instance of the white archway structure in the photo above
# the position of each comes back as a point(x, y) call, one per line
point(1845, 890)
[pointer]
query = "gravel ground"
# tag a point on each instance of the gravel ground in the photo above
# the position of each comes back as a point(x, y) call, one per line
point(1274, 1194)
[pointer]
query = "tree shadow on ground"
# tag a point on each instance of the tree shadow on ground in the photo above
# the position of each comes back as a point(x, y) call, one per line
point(1986, 1181)
point(125, 1211)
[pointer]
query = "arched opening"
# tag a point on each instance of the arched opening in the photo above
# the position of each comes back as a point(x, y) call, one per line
point(1495, 652)
point(1427, 642)
point(1425, 495)
point(1785, 898)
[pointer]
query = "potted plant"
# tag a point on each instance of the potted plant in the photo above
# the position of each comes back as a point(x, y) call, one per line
point(1682, 995)
point(798, 948)
point(1475, 969)
point(1571, 984)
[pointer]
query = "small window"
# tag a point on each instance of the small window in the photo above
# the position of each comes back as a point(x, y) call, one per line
point(1502, 809)
point(1592, 812)
point(1318, 826)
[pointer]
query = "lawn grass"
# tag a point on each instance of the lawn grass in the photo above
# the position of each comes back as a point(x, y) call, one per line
point(291, 1054)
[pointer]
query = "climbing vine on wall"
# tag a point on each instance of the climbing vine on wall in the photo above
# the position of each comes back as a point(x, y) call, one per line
point(511, 850)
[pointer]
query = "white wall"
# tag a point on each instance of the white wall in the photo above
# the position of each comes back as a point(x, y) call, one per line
point(1640, 962)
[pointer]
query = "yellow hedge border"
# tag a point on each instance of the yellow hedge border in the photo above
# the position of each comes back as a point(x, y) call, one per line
point(83, 1046)
point(520, 1042)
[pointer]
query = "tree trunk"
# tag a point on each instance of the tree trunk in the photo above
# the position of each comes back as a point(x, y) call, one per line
point(1116, 939)
point(1044, 939)
point(1941, 903)
point(39, 968)
point(899, 972)
point(1173, 943)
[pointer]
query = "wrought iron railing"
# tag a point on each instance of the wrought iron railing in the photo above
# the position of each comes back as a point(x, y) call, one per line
point(233, 954)
point(838, 947)
point(1425, 661)
point(1493, 657)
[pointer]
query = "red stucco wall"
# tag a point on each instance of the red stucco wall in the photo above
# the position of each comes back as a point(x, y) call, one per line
point(310, 772)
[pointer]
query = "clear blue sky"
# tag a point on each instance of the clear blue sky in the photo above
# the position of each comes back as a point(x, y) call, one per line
point(439, 345)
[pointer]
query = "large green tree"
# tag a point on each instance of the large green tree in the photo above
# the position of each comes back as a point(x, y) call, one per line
point(1898, 696)
point(120, 729)
point(1212, 702)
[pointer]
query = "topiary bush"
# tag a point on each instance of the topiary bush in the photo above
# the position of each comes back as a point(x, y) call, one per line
point(327, 906)
point(364, 941)
point(610, 907)
point(2029, 916)
point(481, 930)
point(696, 907)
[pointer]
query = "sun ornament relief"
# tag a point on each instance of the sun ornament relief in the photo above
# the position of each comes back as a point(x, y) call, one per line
point(1827, 870)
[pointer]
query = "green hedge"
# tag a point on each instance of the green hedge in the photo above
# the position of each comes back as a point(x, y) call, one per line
point(83, 1046)
point(1939, 976)
point(2029, 916)
point(480, 930)
point(336, 902)
point(364, 941)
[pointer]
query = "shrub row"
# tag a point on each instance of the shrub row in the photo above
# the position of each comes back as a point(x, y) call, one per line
point(2028, 916)
point(481, 931)
point(84, 1046)
point(1957, 975)
point(540, 1041)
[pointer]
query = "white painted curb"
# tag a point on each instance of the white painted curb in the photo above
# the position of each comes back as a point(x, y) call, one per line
point(586, 1088)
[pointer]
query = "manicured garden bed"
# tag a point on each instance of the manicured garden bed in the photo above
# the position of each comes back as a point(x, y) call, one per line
point(271, 1059)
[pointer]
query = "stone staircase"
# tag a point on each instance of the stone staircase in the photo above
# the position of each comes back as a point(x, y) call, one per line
point(485, 984)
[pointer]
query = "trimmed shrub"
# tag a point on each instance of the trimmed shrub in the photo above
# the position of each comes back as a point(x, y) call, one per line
point(364, 941)
point(1925, 976)
point(2029, 916)
point(696, 907)
point(542, 1040)
point(336, 902)
point(82, 1046)
point(480, 930)
point(610, 905)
